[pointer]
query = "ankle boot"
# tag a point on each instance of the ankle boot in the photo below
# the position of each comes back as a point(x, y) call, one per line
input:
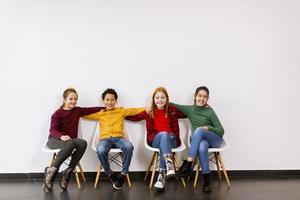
point(65, 178)
point(186, 169)
point(169, 165)
point(50, 173)
point(206, 185)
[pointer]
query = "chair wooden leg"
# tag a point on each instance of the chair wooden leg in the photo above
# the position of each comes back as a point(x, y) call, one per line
point(197, 174)
point(149, 166)
point(224, 170)
point(52, 160)
point(98, 175)
point(128, 181)
point(154, 169)
point(81, 172)
point(216, 154)
point(127, 176)
point(176, 168)
point(77, 178)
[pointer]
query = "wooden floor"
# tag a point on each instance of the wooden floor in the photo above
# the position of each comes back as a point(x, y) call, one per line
point(242, 189)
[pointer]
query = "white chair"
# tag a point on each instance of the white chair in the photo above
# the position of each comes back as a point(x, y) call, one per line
point(54, 152)
point(114, 156)
point(214, 156)
point(154, 160)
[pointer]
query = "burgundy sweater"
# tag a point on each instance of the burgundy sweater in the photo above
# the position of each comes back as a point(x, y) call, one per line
point(65, 122)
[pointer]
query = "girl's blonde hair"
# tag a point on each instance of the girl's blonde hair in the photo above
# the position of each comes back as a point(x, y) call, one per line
point(153, 106)
point(66, 94)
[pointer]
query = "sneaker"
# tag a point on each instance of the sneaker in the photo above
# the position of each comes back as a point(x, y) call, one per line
point(185, 169)
point(160, 183)
point(113, 179)
point(119, 183)
point(169, 166)
point(65, 178)
point(50, 173)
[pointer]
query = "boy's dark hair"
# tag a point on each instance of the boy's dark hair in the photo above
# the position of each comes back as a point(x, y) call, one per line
point(109, 91)
point(202, 88)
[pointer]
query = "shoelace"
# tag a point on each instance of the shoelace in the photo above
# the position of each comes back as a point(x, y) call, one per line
point(161, 178)
point(169, 166)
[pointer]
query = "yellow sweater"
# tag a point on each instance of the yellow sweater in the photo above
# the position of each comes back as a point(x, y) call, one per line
point(112, 121)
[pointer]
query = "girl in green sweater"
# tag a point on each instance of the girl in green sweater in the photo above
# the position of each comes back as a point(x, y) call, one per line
point(207, 132)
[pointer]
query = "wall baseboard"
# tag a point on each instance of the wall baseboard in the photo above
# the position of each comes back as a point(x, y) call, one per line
point(140, 174)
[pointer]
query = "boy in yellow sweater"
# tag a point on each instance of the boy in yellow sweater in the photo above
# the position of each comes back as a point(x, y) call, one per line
point(112, 134)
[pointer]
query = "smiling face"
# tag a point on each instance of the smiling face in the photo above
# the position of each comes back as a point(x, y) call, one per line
point(70, 101)
point(109, 101)
point(201, 98)
point(160, 100)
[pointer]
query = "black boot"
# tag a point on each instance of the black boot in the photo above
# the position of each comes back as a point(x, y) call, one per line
point(206, 186)
point(186, 169)
point(65, 178)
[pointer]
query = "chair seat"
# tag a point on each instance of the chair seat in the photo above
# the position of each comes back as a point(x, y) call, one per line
point(45, 148)
point(174, 150)
point(112, 150)
point(224, 146)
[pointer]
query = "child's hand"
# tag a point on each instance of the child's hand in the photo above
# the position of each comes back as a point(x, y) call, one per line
point(65, 138)
point(148, 109)
point(204, 128)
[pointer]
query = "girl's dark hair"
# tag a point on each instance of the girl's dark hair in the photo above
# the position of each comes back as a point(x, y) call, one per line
point(66, 94)
point(201, 88)
point(109, 91)
point(153, 106)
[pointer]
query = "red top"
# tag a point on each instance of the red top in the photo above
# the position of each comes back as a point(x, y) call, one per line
point(65, 122)
point(161, 122)
point(173, 115)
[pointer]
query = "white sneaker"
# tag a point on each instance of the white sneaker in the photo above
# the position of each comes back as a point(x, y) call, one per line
point(160, 183)
point(169, 165)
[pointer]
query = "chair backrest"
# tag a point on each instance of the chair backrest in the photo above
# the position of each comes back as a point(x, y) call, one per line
point(96, 138)
point(147, 145)
point(224, 144)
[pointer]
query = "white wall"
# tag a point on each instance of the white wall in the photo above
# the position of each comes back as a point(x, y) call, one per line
point(246, 52)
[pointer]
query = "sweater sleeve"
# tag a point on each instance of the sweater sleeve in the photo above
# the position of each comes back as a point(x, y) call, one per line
point(183, 108)
point(137, 117)
point(217, 126)
point(94, 116)
point(90, 110)
point(54, 126)
point(133, 111)
point(180, 114)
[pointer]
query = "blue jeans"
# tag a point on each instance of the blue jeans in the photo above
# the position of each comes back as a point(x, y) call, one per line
point(201, 141)
point(115, 142)
point(165, 142)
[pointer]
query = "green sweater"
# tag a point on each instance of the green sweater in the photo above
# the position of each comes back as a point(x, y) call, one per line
point(202, 116)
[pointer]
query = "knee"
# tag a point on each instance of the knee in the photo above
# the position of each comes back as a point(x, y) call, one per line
point(165, 136)
point(82, 143)
point(101, 150)
point(199, 130)
point(71, 144)
point(128, 147)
